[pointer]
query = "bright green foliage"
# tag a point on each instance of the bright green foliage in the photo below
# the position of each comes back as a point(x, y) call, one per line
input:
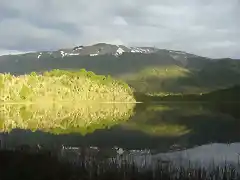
point(24, 92)
point(59, 85)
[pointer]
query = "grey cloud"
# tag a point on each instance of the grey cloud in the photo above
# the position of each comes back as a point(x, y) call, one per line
point(205, 27)
point(8, 13)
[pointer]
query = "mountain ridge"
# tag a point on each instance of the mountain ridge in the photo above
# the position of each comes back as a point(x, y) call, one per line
point(117, 48)
point(146, 69)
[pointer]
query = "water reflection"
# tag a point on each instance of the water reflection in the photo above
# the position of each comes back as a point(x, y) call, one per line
point(63, 118)
point(158, 127)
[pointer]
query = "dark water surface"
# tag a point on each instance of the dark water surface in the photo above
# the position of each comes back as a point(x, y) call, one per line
point(158, 127)
point(171, 133)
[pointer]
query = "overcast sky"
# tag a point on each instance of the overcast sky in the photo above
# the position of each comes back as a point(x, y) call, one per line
point(204, 27)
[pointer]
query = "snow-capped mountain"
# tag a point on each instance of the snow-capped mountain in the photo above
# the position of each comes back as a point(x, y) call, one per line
point(99, 49)
point(83, 56)
point(109, 49)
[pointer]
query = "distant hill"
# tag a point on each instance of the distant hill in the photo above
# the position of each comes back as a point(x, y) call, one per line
point(228, 94)
point(231, 94)
point(147, 69)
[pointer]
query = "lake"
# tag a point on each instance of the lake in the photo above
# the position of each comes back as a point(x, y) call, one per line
point(159, 128)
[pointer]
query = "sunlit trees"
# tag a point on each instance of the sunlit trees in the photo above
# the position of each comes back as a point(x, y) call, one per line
point(61, 85)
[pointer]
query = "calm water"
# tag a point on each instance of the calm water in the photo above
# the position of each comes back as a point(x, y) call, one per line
point(158, 127)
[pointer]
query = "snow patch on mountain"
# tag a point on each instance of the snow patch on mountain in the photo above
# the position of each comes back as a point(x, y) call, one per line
point(63, 53)
point(40, 54)
point(119, 52)
point(93, 54)
point(73, 54)
point(140, 50)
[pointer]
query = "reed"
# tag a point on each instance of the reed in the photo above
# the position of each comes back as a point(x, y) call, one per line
point(44, 165)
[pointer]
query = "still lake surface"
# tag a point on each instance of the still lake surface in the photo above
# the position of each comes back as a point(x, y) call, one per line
point(162, 128)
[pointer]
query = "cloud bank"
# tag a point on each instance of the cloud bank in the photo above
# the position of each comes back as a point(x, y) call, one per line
point(205, 27)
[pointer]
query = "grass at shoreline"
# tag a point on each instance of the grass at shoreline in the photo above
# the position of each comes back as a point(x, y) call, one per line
point(43, 165)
